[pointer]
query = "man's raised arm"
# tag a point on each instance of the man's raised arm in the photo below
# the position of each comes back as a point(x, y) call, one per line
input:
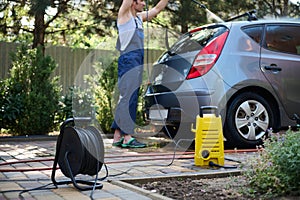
point(124, 13)
point(153, 12)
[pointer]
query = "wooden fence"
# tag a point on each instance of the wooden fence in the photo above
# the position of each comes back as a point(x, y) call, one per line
point(71, 63)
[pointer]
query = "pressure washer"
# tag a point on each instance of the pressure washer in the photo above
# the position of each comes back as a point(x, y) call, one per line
point(209, 144)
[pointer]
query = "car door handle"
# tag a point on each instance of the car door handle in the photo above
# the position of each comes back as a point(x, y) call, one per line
point(273, 68)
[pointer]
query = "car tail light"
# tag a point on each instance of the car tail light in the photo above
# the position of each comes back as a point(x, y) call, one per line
point(207, 57)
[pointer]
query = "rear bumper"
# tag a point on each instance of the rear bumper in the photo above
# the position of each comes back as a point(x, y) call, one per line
point(182, 107)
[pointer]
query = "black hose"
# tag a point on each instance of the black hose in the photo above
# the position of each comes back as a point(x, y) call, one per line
point(212, 164)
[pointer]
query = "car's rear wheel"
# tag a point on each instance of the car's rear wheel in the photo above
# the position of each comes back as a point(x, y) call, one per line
point(248, 117)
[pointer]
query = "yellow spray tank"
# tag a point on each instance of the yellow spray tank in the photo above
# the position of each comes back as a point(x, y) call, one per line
point(209, 143)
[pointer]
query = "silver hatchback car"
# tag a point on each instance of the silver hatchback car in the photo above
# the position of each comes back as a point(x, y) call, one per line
point(249, 70)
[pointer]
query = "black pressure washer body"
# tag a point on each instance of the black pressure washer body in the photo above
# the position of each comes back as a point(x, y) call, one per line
point(78, 151)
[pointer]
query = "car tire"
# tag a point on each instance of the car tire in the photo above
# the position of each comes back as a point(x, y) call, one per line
point(248, 117)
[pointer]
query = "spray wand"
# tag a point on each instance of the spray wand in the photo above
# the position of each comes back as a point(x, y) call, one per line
point(214, 16)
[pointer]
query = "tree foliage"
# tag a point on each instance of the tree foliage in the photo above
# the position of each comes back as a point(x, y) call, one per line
point(40, 21)
point(185, 14)
point(277, 9)
point(81, 23)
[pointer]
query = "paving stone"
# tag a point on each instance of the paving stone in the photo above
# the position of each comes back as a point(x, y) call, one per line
point(70, 193)
point(2, 177)
point(117, 171)
point(14, 175)
point(3, 153)
point(24, 156)
point(19, 165)
point(46, 195)
point(15, 195)
point(2, 196)
point(30, 185)
point(107, 186)
point(48, 163)
point(137, 173)
point(9, 186)
point(101, 194)
point(35, 175)
point(126, 194)
point(8, 159)
point(37, 165)
point(47, 174)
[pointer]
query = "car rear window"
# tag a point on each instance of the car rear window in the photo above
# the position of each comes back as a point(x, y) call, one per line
point(254, 32)
point(196, 40)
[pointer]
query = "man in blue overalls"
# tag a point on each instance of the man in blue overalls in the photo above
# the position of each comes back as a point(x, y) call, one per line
point(130, 67)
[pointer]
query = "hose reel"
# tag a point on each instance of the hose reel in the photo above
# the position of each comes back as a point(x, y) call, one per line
point(79, 151)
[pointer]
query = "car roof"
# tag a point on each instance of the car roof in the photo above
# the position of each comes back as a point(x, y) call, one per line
point(254, 22)
point(268, 21)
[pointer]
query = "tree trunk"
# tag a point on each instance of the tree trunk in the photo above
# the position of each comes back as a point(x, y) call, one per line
point(39, 30)
point(184, 28)
point(285, 11)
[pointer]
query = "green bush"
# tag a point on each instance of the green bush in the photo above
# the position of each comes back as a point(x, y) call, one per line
point(106, 93)
point(65, 106)
point(11, 105)
point(30, 97)
point(276, 172)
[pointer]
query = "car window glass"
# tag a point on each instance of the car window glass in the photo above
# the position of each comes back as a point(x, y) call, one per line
point(283, 38)
point(196, 40)
point(255, 32)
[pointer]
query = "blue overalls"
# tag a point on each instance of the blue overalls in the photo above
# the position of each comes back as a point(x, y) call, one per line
point(130, 74)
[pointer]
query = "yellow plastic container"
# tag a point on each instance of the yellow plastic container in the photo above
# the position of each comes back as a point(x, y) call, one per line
point(209, 143)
